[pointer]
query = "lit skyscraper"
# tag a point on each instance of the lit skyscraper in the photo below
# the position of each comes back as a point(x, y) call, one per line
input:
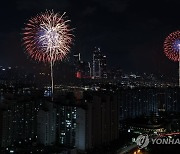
point(103, 67)
point(96, 63)
point(77, 58)
point(99, 64)
point(66, 125)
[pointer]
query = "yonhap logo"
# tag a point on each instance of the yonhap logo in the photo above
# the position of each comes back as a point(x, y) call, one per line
point(165, 141)
point(142, 141)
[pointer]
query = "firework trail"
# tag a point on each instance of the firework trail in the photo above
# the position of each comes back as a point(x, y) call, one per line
point(47, 37)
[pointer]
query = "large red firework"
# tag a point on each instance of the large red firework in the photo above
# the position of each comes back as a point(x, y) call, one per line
point(172, 46)
point(47, 37)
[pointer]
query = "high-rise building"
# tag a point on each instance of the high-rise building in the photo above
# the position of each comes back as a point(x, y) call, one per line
point(168, 99)
point(19, 121)
point(84, 70)
point(5, 130)
point(46, 125)
point(97, 123)
point(137, 102)
point(146, 101)
point(99, 65)
point(77, 60)
point(103, 67)
point(66, 125)
point(81, 131)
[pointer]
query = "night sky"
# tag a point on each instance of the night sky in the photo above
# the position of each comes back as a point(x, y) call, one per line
point(130, 32)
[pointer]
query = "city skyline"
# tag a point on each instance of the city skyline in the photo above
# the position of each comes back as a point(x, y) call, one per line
point(130, 33)
point(89, 77)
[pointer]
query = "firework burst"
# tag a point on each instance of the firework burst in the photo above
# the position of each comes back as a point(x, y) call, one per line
point(172, 46)
point(47, 37)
